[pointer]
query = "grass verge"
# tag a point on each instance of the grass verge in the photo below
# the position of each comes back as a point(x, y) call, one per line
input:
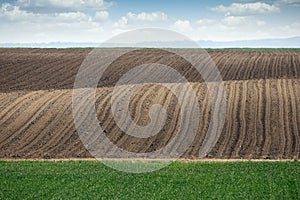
point(256, 49)
point(194, 180)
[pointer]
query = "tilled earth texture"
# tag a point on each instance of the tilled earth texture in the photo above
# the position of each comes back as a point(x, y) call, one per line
point(263, 104)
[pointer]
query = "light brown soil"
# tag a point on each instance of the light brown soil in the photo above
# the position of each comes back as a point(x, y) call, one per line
point(263, 100)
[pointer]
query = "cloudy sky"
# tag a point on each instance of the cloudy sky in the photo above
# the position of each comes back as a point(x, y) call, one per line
point(36, 21)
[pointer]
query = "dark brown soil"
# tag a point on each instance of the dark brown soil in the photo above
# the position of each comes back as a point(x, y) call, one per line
point(263, 104)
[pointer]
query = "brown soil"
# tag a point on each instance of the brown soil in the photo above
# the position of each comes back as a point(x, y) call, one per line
point(263, 99)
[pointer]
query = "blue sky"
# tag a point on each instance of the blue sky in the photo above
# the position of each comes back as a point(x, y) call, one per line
point(29, 21)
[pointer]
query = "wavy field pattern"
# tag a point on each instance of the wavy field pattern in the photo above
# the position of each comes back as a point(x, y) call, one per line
point(263, 104)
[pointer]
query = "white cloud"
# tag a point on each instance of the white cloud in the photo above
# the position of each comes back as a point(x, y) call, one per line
point(151, 17)
point(68, 26)
point(62, 5)
point(101, 15)
point(260, 23)
point(247, 9)
point(19, 26)
point(72, 16)
point(13, 13)
point(122, 22)
point(235, 20)
point(143, 17)
point(63, 27)
point(278, 3)
point(26, 22)
point(290, 29)
point(290, 2)
point(182, 25)
point(231, 28)
point(205, 21)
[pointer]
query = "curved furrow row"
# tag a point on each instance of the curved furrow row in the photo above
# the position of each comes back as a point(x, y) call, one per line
point(172, 120)
point(244, 72)
point(226, 136)
point(281, 119)
point(14, 61)
point(55, 68)
point(47, 119)
point(253, 66)
point(12, 75)
point(8, 119)
point(262, 119)
point(205, 107)
point(293, 89)
point(266, 118)
point(273, 114)
point(31, 68)
point(248, 100)
point(135, 109)
point(286, 122)
point(227, 68)
point(12, 103)
point(252, 121)
point(242, 118)
point(23, 122)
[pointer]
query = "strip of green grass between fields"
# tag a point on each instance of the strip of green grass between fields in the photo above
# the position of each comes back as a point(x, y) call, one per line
point(194, 180)
point(207, 49)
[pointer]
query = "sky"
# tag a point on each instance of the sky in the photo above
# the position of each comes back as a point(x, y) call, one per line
point(42, 21)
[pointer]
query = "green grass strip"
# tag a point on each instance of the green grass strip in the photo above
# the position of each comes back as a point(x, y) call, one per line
point(194, 180)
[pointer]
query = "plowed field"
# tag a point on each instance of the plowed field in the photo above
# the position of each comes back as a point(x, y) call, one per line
point(262, 119)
